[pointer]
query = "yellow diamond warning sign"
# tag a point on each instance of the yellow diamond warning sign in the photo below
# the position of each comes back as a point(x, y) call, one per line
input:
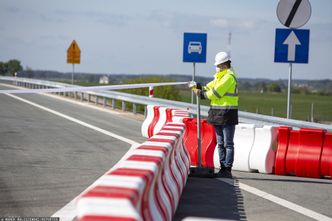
point(73, 53)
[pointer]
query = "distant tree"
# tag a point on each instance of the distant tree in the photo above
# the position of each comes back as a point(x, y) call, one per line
point(13, 66)
point(273, 87)
point(3, 68)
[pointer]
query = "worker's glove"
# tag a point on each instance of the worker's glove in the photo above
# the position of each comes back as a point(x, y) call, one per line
point(198, 92)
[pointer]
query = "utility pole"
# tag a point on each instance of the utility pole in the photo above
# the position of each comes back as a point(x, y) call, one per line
point(229, 43)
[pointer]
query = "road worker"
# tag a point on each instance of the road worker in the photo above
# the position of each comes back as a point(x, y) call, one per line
point(223, 113)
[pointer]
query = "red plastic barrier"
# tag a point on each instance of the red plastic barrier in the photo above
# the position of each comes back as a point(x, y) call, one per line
point(280, 161)
point(190, 140)
point(306, 152)
point(292, 152)
point(208, 142)
point(310, 149)
point(326, 158)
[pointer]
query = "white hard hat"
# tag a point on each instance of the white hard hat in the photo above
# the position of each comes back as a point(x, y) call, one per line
point(221, 57)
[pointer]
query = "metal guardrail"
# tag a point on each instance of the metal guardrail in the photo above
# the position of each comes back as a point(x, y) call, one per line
point(244, 117)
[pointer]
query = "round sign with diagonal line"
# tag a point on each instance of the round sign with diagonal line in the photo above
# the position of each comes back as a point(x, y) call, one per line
point(294, 13)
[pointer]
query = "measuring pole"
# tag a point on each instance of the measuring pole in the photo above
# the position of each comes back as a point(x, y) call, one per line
point(199, 131)
point(193, 79)
point(72, 74)
point(289, 95)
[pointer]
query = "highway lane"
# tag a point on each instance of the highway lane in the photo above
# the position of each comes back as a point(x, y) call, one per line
point(84, 155)
point(46, 160)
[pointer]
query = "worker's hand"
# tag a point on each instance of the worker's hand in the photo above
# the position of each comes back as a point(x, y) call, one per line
point(197, 92)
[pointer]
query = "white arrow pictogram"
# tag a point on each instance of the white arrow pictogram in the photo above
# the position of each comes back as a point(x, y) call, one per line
point(291, 41)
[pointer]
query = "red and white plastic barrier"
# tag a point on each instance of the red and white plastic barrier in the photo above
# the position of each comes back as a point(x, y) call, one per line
point(146, 185)
point(157, 117)
point(269, 149)
point(254, 147)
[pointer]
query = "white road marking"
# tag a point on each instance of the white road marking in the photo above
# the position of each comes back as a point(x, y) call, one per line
point(108, 133)
point(282, 202)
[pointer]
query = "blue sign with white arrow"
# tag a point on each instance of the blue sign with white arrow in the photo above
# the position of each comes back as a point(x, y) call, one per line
point(291, 45)
point(194, 47)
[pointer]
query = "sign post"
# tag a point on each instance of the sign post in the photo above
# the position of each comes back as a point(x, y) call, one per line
point(194, 50)
point(292, 45)
point(73, 57)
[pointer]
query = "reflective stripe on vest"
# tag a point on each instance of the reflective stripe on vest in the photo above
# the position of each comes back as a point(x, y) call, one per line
point(216, 93)
point(224, 107)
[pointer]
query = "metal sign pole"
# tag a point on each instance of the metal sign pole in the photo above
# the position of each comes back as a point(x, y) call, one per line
point(289, 95)
point(193, 79)
point(72, 74)
point(200, 171)
point(199, 131)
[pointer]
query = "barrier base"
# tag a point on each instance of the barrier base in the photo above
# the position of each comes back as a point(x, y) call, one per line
point(202, 172)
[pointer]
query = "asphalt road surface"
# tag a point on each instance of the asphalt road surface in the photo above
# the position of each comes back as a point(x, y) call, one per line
point(49, 156)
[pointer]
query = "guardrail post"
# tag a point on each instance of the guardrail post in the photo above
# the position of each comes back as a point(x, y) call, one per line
point(134, 108)
point(145, 112)
point(97, 100)
point(113, 104)
point(123, 106)
point(75, 95)
point(82, 96)
point(89, 98)
point(104, 102)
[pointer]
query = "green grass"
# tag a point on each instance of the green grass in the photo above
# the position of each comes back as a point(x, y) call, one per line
point(266, 103)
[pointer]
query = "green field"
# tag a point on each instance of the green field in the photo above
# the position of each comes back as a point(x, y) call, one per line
point(276, 104)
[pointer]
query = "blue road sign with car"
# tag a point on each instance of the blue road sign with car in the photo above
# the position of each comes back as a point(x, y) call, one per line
point(194, 47)
point(291, 45)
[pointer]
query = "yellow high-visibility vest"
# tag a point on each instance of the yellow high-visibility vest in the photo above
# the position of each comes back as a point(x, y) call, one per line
point(222, 90)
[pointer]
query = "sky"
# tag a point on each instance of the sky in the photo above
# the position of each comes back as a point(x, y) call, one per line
point(146, 36)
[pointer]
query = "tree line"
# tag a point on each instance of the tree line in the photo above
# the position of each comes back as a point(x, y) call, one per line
point(10, 67)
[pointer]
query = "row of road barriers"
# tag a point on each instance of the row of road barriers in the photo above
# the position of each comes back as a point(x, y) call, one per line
point(280, 150)
point(146, 185)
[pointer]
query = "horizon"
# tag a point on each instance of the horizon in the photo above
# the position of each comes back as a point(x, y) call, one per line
point(169, 74)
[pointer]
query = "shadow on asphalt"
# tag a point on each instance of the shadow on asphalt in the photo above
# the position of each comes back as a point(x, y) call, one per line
point(210, 199)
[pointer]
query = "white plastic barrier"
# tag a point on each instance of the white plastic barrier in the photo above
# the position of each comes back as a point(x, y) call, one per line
point(147, 185)
point(264, 149)
point(254, 148)
point(158, 116)
point(243, 141)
